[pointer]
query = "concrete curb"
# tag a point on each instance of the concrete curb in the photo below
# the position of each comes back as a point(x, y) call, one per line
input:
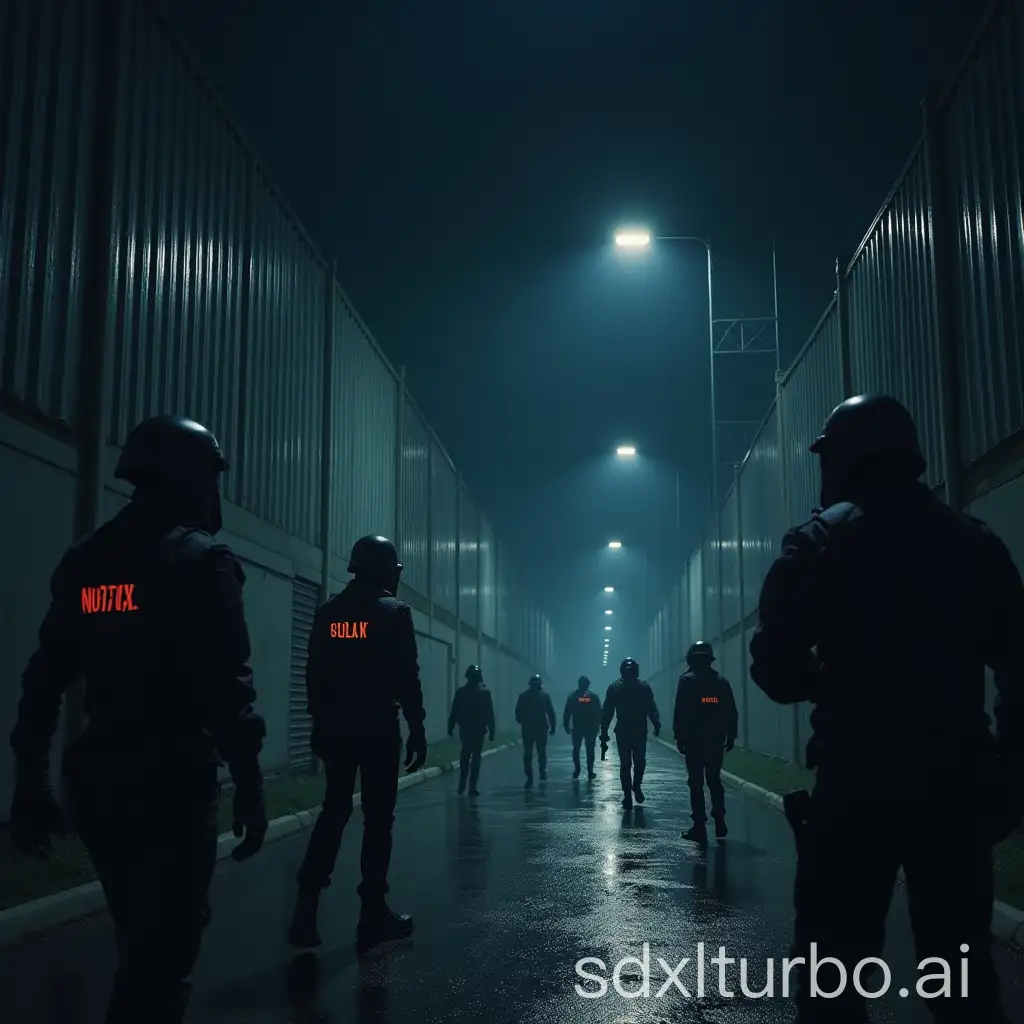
point(49, 912)
point(1007, 921)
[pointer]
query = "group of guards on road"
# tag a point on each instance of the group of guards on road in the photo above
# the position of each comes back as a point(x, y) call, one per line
point(883, 610)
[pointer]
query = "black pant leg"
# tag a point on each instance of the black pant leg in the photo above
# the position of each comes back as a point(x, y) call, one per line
point(944, 916)
point(154, 846)
point(577, 740)
point(589, 739)
point(325, 841)
point(475, 753)
point(528, 741)
point(542, 751)
point(695, 782)
point(639, 759)
point(625, 748)
point(713, 773)
point(379, 770)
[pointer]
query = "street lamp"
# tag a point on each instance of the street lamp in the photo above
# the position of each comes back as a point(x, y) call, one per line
point(625, 451)
point(608, 611)
point(637, 239)
point(615, 544)
point(609, 590)
point(607, 629)
point(632, 239)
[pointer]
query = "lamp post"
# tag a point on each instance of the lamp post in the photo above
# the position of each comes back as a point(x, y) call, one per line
point(638, 240)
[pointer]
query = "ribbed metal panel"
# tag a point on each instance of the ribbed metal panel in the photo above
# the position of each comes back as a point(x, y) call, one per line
point(709, 564)
point(469, 545)
point(414, 531)
point(893, 342)
point(365, 399)
point(180, 250)
point(982, 141)
point(695, 592)
point(813, 388)
point(300, 726)
point(444, 499)
point(658, 658)
point(279, 475)
point(47, 95)
point(502, 595)
point(488, 579)
point(764, 519)
point(684, 615)
point(730, 542)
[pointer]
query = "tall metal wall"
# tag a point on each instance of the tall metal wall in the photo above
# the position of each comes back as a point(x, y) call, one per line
point(138, 232)
point(929, 309)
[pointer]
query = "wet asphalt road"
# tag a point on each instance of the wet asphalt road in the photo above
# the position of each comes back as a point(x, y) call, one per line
point(509, 891)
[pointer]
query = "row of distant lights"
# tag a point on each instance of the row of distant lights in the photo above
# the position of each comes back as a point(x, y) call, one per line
point(608, 629)
point(625, 451)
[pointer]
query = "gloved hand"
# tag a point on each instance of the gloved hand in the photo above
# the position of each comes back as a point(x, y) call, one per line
point(451, 732)
point(729, 744)
point(250, 816)
point(415, 751)
point(35, 818)
point(491, 738)
point(681, 747)
point(552, 733)
point(657, 731)
point(568, 731)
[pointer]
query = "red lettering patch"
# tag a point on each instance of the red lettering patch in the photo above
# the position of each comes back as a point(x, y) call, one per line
point(349, 630)
point(709, 700)
point(109, 597)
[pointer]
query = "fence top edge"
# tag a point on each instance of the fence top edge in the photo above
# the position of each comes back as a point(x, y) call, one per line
point(884, 208)
point(810, 342)
point(945, 95)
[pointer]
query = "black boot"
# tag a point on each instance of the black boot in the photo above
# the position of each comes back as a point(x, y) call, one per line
point(303, 931)
point(529, 781)
point(697, 834)
point(720, 830)
point(462, 785)
point(379, 923)
point(638, 793)
point(627, 800)
point(576, 772)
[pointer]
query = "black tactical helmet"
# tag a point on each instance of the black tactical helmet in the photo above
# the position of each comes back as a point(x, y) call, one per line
point(535, 680)
point(473, 674)
point(583, 682)
point(871, 428)
point(373, 555)
point(701, 649)
point(170, 450)
point(629, 669)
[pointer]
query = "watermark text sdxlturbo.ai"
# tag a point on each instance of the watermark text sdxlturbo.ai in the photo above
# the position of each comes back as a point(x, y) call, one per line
point(948, 980)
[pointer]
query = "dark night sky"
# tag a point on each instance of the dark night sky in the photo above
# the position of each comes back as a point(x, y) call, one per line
point(466, 165)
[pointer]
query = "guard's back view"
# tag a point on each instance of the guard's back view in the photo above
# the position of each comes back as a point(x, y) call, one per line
point(148, 609)
point(362, 666)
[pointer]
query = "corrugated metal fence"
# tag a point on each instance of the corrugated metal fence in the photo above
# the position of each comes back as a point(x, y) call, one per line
point(930, 310)
point(137, 231)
